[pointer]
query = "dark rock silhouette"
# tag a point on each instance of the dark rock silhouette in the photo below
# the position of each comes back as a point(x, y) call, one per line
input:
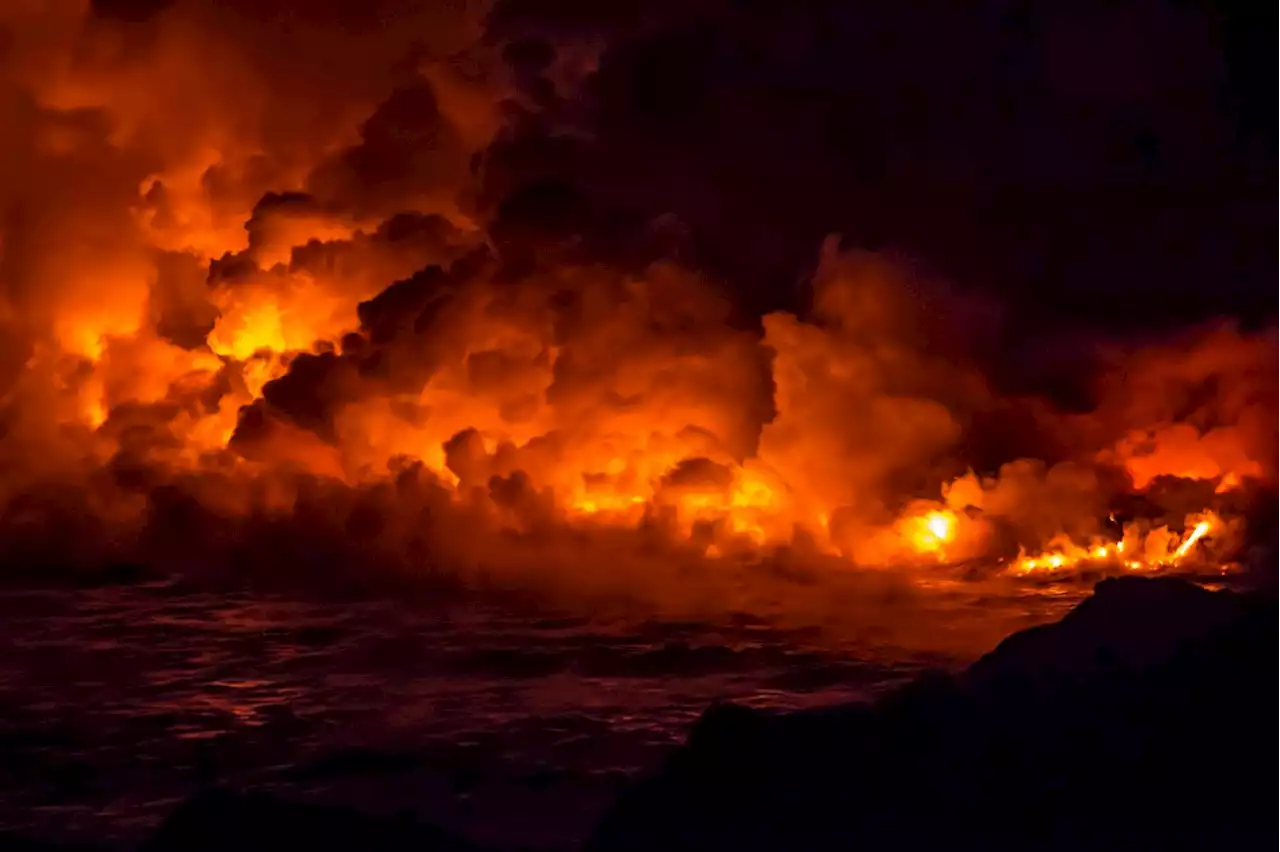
point(1143, 720)
point(224, 820)
point(219, 821)
point(16, 843)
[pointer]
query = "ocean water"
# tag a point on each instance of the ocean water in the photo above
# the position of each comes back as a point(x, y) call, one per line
point(506, 726)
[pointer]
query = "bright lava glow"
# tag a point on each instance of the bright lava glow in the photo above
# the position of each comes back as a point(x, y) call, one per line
point(1159, 548)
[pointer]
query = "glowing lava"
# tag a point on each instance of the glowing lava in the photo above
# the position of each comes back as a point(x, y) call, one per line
point(1151, 550)
point(930, 533)
point(1190, 541)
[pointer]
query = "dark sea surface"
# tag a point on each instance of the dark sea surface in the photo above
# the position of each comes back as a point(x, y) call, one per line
point(117, 702)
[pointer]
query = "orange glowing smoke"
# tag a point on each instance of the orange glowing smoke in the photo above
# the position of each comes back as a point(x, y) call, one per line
point(645, 431)
point(1182, 451)
point(231, 290)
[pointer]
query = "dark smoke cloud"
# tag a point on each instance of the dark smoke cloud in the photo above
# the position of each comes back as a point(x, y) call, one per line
point(1056, 154)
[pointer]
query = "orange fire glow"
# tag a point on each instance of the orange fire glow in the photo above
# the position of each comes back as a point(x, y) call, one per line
point(619, 427)
point(931, 532)
point(227, 305)
point(1137, 551)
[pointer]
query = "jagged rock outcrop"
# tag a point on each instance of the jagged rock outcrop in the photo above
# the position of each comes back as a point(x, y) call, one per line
point(222, 821)
point(1143, 720)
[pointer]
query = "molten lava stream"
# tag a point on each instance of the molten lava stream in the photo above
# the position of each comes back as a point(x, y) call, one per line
point(1157, 550)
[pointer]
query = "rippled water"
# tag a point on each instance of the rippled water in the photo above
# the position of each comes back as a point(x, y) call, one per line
point(115, 703)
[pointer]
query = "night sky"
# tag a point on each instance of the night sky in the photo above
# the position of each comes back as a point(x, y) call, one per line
point(1110, 165)
point(1095, 163)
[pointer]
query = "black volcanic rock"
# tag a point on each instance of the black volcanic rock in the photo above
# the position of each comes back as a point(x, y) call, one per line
point(1129, 623)
point(1142, 720)
point(222, 821)
point(18, 843)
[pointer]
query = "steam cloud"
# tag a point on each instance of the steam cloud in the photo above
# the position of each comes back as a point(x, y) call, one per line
point(300, 291)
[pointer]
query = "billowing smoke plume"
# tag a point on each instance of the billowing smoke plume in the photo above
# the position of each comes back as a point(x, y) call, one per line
point(305, 294)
